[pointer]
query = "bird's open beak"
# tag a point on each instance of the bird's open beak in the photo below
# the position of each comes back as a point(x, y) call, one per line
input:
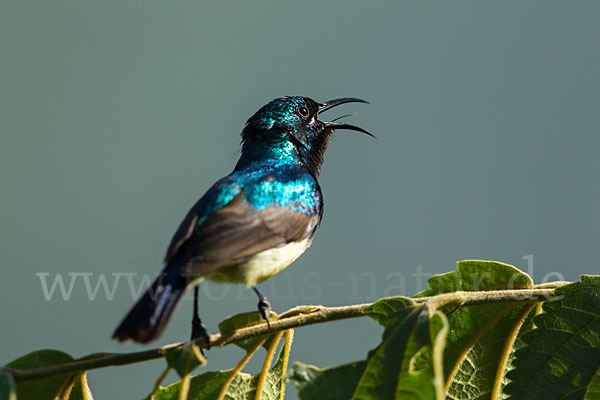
point(334, 103)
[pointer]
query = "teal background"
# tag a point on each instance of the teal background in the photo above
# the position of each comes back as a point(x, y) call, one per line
point(116, 116)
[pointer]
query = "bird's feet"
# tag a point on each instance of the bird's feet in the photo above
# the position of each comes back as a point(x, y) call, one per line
point(199, 331)
point(264, 308)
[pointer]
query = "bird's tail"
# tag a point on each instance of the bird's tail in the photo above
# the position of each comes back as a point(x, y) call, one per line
point(148, 318)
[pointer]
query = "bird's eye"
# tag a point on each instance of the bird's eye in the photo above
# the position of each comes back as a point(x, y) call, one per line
point(303, 111)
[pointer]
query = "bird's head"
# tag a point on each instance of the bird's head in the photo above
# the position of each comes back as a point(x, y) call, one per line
point(295, 120)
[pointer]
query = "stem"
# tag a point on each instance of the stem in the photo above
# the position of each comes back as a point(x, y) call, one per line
point(267, 365)
point(239, 367)
point(316, 315)
point(492, 296)
point(184, 388)
point(68, 388)
point(289, 336)
point(506, 351)
point(158, 382)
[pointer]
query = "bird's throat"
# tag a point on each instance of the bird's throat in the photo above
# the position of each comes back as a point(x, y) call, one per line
point(285, 150)
point(275, 153)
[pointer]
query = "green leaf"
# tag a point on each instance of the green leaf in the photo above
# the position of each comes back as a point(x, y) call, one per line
point(8, 390)
point(245, 320)
point(45, 388)
point(481, 338)
point(391, 369)
point(474, 275)
point(184, 359)
point(337, 383)
point(561, 359)
point(389, 310)
point(205, 386)
point(208, 385)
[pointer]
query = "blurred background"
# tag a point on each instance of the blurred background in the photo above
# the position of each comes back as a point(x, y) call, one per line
point(116, 116)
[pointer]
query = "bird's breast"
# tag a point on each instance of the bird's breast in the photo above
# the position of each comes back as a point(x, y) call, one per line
point(297, 190)
point(261, 266)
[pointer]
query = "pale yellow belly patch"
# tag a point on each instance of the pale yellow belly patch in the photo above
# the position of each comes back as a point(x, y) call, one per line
point(262, 266)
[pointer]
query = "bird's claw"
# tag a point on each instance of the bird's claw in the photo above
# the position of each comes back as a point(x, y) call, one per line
point(199, 331)
point(264, 308)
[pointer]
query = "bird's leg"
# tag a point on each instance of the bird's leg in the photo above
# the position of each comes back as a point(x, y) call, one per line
point(198, 330)
point(264, 307)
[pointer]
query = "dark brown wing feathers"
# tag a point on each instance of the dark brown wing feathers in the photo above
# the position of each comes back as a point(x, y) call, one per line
point(236, 232)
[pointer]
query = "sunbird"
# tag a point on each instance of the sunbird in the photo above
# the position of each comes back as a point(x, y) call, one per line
point(251, 224)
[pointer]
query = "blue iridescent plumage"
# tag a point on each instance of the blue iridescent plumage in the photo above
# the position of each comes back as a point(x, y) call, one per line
point(254, 222)
point(268, 183)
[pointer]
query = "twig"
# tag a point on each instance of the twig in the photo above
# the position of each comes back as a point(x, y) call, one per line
point(318, 314)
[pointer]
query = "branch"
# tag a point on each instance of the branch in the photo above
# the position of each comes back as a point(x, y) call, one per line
point(294, 318)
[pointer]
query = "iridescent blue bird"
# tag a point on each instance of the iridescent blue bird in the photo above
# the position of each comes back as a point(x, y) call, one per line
point(251, 224)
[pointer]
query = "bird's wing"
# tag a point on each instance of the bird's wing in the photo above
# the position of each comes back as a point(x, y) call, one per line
point(185, 230)
point(211, 201)
point(236, 232)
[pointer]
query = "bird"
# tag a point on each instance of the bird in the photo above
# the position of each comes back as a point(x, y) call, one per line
point(251, 224)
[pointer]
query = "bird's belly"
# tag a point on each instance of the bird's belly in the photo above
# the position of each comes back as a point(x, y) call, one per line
point(261, 266)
